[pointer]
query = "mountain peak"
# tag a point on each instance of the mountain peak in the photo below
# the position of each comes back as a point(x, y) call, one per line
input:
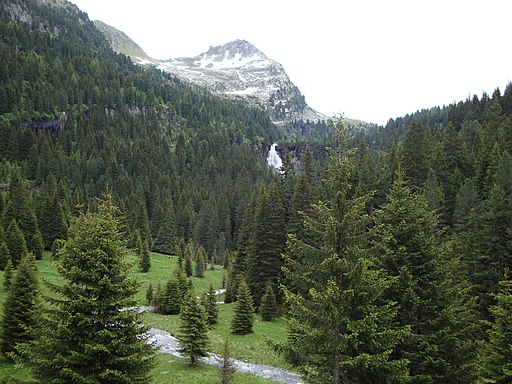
point(236, 48)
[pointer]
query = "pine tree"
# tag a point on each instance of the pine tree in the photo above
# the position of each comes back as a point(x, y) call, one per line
point(20, 323)
point(86, 336)
point(429, 285)
point(4, 255)
point(15, 243)
point(340, 328)
point(243, 319)
point(172, 297)
point(145, 258)
point(51, 217)
point(200, 261)
point(268, 307)
point(497, 357)
point(150, 294)
point(19, 208)
point(188, 261)
point(193, 333)
point(8, 273)
point(226, 366)
point(208, 302)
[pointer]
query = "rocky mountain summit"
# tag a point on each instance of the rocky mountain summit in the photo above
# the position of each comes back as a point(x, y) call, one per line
point(236, 70)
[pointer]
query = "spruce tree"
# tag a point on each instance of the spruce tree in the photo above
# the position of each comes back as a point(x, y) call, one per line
point(226, 366)
point(497, 356)
point(340, 327)
point(243, 319)
point(20, 323)
point(4, 255)
point(200, 261)
point(145, 257)
point(268, 307)
point(19, 208)
point(15, 242)
point(172, 297)
point(150, 294)
point(90, 335)
point(430, 286)
point(208, 302)
point(193, 333)
point(8, 274)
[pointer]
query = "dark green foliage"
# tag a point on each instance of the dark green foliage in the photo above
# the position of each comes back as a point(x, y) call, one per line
point(150, 294)
point(50, 217)
point(21, 317)
point(430, 287)
point(193, 333)
point(188, 261)
point(208, 300)
point(20, 209)
point(268, 308)
point(340, 326)
point(86, 336)
point(15, 241)
point(226, 366)
point(497, 361)
point(267, 241)
point(8, 274)
point(171, 299)
point(243, 319)
point(145, 257)
point(5, 256)
point(200, 261)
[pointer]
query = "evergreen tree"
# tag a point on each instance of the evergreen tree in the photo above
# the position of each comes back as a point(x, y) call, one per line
point(16, 244)
point(267, 243)
point(208, 302)
point(268, 307)
point(4, 255)
point(19, 208)
point(243, 319)
point(497, 357)
point(226, 366)
point(340, 328)
point(20, 323)
point(145, 257)
point(188, 261)
point(171, 299)
point(150, 294)
point(51, 217)
point(200, 261)
point(86, 336)
point(430, 287)
point(8, 274)
point(193, 334)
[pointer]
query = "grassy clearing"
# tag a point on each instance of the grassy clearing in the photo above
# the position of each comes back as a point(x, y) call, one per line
point(252, 348)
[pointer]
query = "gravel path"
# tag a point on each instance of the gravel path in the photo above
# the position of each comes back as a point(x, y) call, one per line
point(166, 343)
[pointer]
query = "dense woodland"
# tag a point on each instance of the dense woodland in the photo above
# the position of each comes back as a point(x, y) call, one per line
point(388, 254)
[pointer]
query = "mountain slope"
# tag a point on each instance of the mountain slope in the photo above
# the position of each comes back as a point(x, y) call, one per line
point(119, 41)
point(237, 70)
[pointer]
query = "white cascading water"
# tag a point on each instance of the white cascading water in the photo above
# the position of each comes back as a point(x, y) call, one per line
point(273, 159)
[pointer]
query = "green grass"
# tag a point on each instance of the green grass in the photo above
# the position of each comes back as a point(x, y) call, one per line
point(169, 369)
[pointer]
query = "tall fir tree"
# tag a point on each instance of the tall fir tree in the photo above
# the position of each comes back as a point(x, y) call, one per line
point(429, 284)
point(269, 309)
point(243, 318)
point(4, 254)
point(51, 218)
point(340, 328)
point(497, 354)
point(193, 333)
point(16, 243)
point(21, 317)
point(19, 208)
point(89, 334)
point(200, 261)
point(208, 301)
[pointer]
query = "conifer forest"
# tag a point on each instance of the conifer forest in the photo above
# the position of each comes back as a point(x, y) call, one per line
point(381, 255)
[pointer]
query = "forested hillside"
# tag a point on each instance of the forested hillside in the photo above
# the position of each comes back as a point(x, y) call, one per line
point(387, 253)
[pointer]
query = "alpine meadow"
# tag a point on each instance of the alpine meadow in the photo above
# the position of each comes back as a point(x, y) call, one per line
point(159, 223)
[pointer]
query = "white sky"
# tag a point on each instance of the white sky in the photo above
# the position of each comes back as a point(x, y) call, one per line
point(369, 59)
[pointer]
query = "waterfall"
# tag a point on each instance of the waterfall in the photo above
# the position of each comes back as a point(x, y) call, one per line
point(273, 159)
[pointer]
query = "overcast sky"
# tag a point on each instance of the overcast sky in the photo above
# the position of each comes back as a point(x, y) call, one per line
point(370, 60)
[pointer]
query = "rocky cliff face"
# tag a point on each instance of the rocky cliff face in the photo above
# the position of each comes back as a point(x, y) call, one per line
point(236, 70)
